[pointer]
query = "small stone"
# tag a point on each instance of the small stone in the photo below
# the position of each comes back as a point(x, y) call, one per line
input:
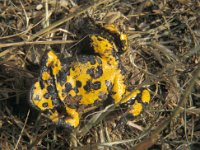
point(39, 7)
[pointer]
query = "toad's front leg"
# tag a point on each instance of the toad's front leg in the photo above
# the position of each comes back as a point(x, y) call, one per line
point(44, 93)
point(136, 99)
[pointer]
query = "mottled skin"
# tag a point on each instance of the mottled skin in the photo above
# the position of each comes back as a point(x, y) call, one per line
point(61, 90)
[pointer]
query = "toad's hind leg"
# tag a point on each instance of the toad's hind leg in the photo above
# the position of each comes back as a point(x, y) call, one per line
point(51, 62)
point(52, 107)
point(43, 93)
point(40, 98)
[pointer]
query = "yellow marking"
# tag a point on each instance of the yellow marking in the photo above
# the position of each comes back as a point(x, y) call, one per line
point(41, 102)
point(51, 58)
point(112, 28)
point(118, 87)
point(72, 93)
point(59, 88)
point(146, 96)
point(57, 67)
point(101, 45)
point(124, 41)
point(136, 108)
point(45, 76)
point(74, 120)
point(80, 73)
point(54, 117)
point(37, 89)
point(54, 61)
point(123, 37)
point(41, 92)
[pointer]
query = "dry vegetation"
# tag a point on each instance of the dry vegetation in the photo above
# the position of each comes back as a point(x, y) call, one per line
point(163, 53)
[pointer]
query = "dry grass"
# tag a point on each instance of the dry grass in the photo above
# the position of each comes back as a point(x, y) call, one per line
point(164, 47)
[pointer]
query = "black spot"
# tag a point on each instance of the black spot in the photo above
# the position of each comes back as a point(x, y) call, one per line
point(44, 61)
point(87, 86)
point(96, 85)
point(45, 105)
point(68, 87)
point(114, 54)
point(99, 39)
point(92, 60)
point(47, 95)
point(60, 109)
point(55, 100)
point(54, 97)
point(61, 76)
point(131, 101)
point(83, 59)
point(121, 68)
point(95, 73)
point(78, 83)
point(50, 82)
point(76, 90)
point(41, 84)
point(99, 72)
point(91, 72)
point(73, 69)
point(50, 89)
point(108, 62)
point(56, 65)
point(87, 58)
point(98, 60)
point(139, 98)
point(118, 42)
